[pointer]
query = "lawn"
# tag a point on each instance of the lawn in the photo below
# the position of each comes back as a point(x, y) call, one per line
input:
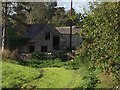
point(19, 76)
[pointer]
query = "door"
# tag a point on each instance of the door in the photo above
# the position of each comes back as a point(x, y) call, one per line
point(32, 47)
point(56, 43)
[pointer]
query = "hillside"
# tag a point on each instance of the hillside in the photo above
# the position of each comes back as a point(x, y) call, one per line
point(17, 76)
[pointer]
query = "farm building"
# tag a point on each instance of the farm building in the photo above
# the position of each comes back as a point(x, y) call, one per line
point(47, 38)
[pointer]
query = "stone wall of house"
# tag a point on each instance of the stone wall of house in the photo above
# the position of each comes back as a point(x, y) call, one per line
point(76, 40)
point(40, 40)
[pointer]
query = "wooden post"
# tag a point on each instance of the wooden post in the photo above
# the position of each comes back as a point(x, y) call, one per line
point(71, 28)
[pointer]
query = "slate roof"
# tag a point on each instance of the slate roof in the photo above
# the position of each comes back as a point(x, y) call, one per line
point(66, 30)
point(34, 29)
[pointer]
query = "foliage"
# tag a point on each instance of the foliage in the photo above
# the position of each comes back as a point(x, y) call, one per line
point(34, 14)
point(38, 55)
point(17, 76)
point(74, 19)
point(13, 14)
point(73, 65)
point(43, 63)
point(92, 81)
point(6, 54)
point(60, 17)
point(101, 37)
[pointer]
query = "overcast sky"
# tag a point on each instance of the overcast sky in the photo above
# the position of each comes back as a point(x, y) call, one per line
point(78, 5)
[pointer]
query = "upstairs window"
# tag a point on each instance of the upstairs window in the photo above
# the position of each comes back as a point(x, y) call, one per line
point(47, 36)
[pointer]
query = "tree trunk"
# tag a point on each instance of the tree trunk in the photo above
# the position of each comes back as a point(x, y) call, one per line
point(4, 26)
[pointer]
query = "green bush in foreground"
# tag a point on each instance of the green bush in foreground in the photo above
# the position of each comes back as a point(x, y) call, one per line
point(101, 34)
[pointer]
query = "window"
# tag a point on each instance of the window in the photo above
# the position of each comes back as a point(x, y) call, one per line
point(43, 48)
point(47, 36)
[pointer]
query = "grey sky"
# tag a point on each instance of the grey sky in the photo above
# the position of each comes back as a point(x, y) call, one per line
point(78, 5)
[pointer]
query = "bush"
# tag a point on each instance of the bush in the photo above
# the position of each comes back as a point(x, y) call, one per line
point(38, 55)
point(92, 80)
point(44, 63)
point(73, 64)
point(6, 54)
point(101, 37)
point(62, 56)
point(14, 54)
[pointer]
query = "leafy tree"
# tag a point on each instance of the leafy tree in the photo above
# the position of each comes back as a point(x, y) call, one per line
point(51, 8)
point(76, 18)
point(60, 17)
point(36, 12)
point(41, 12)
point(101, 34)
point(14, 14)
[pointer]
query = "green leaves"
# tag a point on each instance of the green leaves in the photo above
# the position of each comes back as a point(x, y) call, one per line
point(101, 32)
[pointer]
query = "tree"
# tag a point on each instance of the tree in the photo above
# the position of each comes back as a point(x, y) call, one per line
point(101, 34)
point(36, 12)
point(76, 18)
point(60, 17)
point(41, 12)
point(13, 14)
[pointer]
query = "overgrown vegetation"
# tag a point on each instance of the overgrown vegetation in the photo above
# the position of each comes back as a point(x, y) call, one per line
point(19, 76)
point(101, 34)
point(16, 76)
point(96, 63)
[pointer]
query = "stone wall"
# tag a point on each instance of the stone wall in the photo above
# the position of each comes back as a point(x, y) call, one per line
point(76, 40)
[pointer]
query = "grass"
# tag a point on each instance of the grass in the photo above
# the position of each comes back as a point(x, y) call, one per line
point(19, 76)
point(16, 75)
point(106, 81)
point(56, 78)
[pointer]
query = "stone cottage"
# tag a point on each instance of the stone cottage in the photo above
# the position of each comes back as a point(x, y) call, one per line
point(76, 39)
point(47, 38)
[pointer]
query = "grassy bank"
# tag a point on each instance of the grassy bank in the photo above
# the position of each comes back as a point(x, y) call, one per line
point(19, 76)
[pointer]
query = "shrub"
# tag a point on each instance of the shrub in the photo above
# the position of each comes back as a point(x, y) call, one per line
point(101, 37)
point(6, 54)
point(14, 54)
point(44, 63)
point(101, 32)
point(38, 55)
point(62, 56)
point(73, 64)
point(92, 80)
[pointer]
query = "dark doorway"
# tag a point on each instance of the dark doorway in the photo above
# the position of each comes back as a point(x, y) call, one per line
point(43, 48)
point(56, 43)
point(31, 49)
